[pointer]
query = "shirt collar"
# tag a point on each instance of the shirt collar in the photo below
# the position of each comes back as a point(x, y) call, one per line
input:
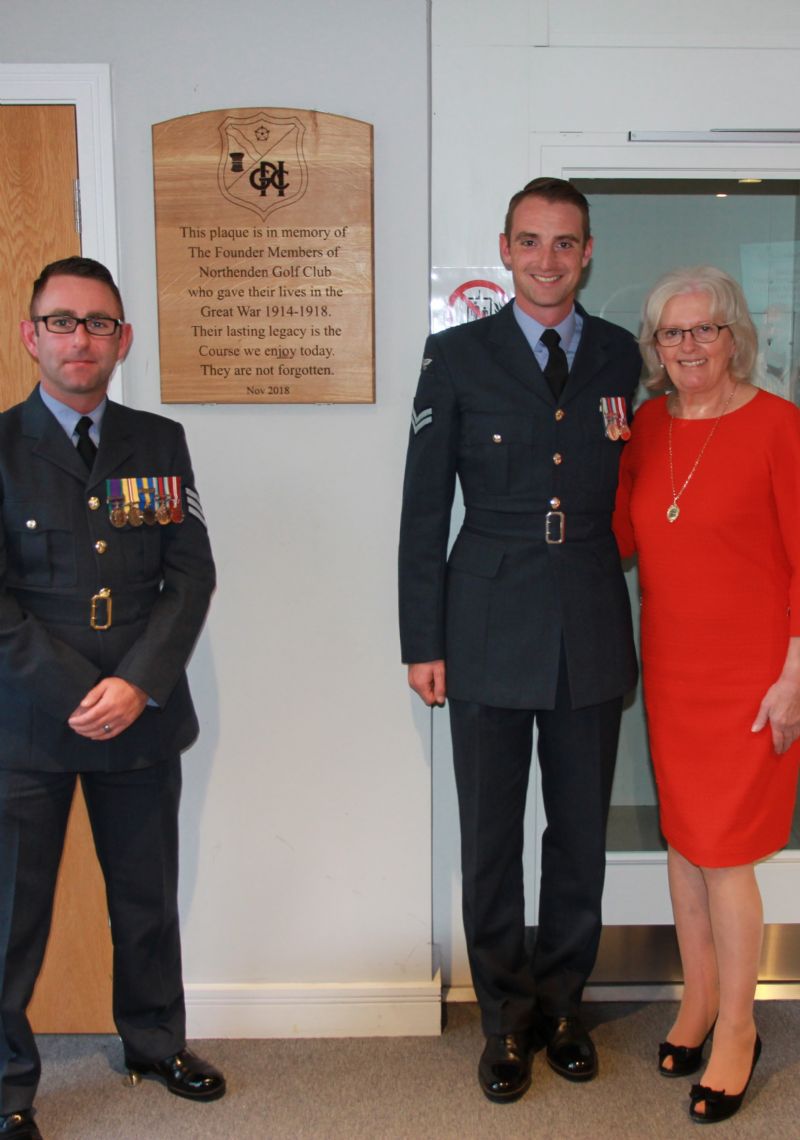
point(533, 329)
point(68, 417)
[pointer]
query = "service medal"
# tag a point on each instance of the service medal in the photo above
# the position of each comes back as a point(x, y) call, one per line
point(163, 517)
point(615, 417)
point(115, 502)
point(132, 509)
point(147, 493)
point(175, 504)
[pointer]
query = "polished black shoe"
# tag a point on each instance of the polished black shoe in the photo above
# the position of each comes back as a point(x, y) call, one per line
point(570, 1050)
point(19, 1126)
point(686, 1059)
point(719, 1105)
point(504, 1071)
point(184, 1074)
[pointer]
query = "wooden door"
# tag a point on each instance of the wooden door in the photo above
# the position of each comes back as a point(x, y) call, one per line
point(38, 172)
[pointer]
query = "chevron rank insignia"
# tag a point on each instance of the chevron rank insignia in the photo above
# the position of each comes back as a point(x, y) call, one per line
point(426, 360)
point(419, 420)
point(193, 505)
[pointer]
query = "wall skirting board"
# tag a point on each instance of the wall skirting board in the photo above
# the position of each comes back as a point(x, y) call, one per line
point(347, 1009)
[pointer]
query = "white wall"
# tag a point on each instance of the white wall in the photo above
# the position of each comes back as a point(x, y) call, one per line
point(306, 809)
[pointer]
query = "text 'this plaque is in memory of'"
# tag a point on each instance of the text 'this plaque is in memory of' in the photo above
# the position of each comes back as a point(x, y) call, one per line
point(265, 257)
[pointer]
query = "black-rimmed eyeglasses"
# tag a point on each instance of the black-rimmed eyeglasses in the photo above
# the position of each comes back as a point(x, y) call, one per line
point(702, 334)
point(95, 326)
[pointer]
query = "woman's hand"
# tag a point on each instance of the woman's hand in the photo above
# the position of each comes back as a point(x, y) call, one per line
point(781, 704)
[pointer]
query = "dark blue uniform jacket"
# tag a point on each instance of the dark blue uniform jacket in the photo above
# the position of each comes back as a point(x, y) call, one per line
point(500, 607)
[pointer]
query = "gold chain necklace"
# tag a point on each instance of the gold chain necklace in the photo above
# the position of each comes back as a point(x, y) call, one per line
point(673, 510)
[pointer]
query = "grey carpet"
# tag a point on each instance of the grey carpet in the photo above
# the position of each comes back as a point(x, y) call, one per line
point(416, 1087)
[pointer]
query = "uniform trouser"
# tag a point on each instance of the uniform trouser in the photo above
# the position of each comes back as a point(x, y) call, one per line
point(492, 756)
point(134, 818)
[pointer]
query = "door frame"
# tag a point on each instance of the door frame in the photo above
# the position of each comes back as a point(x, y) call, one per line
point(87, 86)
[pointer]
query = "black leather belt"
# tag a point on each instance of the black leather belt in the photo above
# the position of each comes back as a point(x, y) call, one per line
point(555, 527)
point(100, 611)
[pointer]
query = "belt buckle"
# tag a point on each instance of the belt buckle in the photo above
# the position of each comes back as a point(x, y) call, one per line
point(103, 595)
point(554, 528)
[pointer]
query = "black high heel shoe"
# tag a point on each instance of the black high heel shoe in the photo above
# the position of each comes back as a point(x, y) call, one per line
point(686, 1059)
point(719, 1105)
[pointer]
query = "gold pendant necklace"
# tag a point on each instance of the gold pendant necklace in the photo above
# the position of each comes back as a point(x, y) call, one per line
point(673, 510)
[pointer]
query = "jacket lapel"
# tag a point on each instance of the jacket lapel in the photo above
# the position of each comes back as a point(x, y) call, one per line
point(593, 353)
point(53, 445)
point(515, 356)
point(116, 446)
point(51, 442)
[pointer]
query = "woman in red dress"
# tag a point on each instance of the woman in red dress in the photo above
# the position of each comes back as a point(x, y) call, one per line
point(709, 499)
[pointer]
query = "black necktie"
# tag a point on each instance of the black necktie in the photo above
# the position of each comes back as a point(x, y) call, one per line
point(556, 370)
point(85, 446)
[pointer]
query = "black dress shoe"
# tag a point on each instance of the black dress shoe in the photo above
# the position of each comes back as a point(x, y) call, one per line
point(719, 1105)
point(504, 1071)
point(19, 1125)
point(570, 1051)
point(184, 1074)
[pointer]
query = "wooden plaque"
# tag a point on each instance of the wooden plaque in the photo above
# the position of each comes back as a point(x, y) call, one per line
point(264, 243)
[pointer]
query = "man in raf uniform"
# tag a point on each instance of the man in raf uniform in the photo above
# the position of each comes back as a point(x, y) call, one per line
point(105, 579)
point(528, 620)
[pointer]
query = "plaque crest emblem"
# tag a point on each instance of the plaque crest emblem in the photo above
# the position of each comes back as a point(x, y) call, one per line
point(262, 166)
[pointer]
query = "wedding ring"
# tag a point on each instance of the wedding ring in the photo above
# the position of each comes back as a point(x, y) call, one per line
point(106, 728)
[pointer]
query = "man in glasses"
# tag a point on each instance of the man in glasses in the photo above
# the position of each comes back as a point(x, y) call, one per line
point(527, 620)
point(106, 575)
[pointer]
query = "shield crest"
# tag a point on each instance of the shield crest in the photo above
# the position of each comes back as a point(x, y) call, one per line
point(262, 166)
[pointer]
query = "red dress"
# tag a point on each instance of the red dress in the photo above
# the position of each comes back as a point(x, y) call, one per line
point(720, 590)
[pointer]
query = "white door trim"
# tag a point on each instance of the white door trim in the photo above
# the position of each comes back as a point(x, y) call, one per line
point(613, 156)
point(88, 87)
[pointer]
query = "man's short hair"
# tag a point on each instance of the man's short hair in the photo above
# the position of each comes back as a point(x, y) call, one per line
point(75, 267)
point(552, 190)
